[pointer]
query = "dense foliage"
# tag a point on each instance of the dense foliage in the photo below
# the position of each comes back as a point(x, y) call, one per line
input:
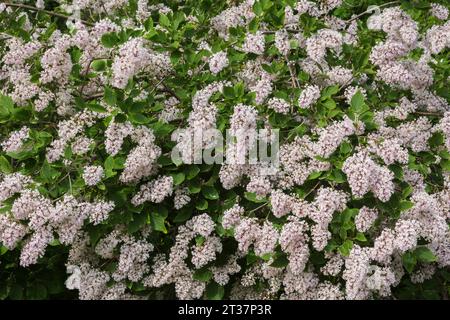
point(93, 206)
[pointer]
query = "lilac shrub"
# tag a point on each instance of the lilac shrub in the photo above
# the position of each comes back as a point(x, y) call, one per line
point(95, 95)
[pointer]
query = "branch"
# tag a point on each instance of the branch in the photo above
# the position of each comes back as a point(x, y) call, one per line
point(87, 71)
point(170, 91)
point(94, 96)
point(85, 75)
point(27, 7)
point(259, 207)
point(294, 80)
point(288, 30)
point(314, 188)
point(157, 85)
point(423, 113)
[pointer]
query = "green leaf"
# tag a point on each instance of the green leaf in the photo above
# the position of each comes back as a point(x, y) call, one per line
point(330, 104)
point(178, 18)
point(398, 171)
point(158, 218)
point(345, 147)
point(267, 256)
point(253, 25)
point(6, 105)
point(109, 40)
point(251, 258)
point(360, 237)
point(3, 250)
point(357, 102)
point(405, 205)
point(96, 107)
point(214, 291)
point(336, 175)
point(161, 129)
point(48, 174)
point(431, 294)
point(138, 118)
point(407, 191)
point(194, 187)
point(178, 178)
point(54, 243)
point(99, 65)
point(5, 166)
point(266, 4)
point(251, 196)
point(139, 220)
point(445, 164)
point(109, 167)
point(239, 89)
point(55, 285)
point(314, 175)
point(348, 214)
point(346, 247)
point(361, 60)
point(257, 8)
point(184, 214)
point(329, 91)
point(436, 139)
point(138, 106)
point(343, 231)
point(164, 20)
point(192, 171)
point(201, 204)
point(95, 233)
point(228, 92)
point(423, 254)
point(210, 193)
point(148, 24)
point(444, 154)
point(409, 261)
point(203, 275)
point(280, 261)
point(110, 96)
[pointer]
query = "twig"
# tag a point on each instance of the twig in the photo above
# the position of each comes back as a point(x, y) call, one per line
point(293, 132)
point(70, 185)
point(156, 85)
point(288, 30)
point(28, 7)
point(86, 72)
point(422, 113)
point(371, 10)
point(294, 80)
point(170, 91)
point(259, 207)
point(95, 96)
point(314, 188)
point(85, 75)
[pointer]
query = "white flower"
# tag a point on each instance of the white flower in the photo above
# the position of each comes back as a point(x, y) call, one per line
point(92, 175)
point(218, 62)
